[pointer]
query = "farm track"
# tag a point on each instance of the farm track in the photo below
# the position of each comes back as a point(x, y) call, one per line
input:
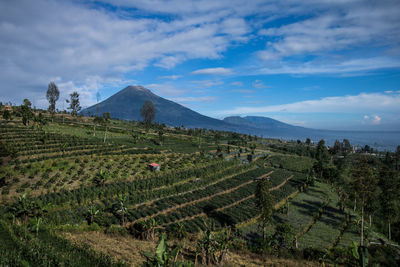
point(313, 221)
point(98, 151)
point(187, 180)
point(199, 200)
point(198, 188)
point(232, 204)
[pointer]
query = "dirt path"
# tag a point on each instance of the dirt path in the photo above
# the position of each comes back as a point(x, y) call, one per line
point(236, 202)
point(190, 191)
point(198, 200)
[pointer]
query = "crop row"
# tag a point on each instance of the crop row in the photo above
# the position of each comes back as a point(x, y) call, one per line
point(220, 187)
point(19, 247)
point(130, 187)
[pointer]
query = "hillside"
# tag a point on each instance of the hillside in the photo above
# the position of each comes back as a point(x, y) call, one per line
point(64, 187)
point(126, 105)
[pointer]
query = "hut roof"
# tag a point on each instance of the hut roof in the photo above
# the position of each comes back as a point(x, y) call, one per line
point(154, 164)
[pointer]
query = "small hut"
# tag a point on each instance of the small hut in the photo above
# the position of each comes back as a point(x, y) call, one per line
point(154, 167)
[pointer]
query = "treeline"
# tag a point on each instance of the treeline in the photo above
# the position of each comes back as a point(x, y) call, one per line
point(368, 184)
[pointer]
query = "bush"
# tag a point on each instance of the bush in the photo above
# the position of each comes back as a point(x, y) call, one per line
point(116, 230)
point(93, 227)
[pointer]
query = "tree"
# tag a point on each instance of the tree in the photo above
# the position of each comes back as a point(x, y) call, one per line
point(346, 146)
point(74, 105)
point(390, 185)
point(26, 111)
point(265, 204)
point(27, 103)
point(337, 147)
point(363, 185)
point(39, 120)
point(106, 121)
point(97, 120)
point(7, 115)
point(308, 141)
point(148, 113)
point(161, 136)
point(52, 96)
point(322, 158)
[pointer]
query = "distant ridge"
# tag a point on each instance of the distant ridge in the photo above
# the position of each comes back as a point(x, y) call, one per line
point(126, 104)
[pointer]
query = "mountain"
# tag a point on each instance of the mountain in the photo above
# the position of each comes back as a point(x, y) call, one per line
point(126, 105)
point(271, 127)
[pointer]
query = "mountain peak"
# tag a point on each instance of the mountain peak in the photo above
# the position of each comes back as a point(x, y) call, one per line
point(136, 88)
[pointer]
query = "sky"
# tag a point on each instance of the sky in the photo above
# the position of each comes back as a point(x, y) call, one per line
point(326, 64)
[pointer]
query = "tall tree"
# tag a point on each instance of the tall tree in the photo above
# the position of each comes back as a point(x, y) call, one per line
point(97, 120)
point(148, 113)
point(322, 157)
point(265, 204)
point(346, 145)
point(26, 111)
point(27, 103)
point(74, 105)
point(106, 121)
point(363, 185)
point(397, 157)
point(52, 96)
point(337, 147)
point(389, 198)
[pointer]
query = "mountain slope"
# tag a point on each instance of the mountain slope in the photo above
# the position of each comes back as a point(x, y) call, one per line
point(271, 127)
point(126, 105)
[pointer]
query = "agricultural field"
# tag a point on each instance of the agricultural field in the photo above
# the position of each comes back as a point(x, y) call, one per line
point(63, 180)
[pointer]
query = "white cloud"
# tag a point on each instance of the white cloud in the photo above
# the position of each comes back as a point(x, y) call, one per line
point(237, 83)
point(171, 77)
point(333, 67)
point(376, 120)
point(44, 39)
point(194, 99)
point(372, 120)
point(207, 83)
point(361, 103)
point(329, 33)
point(164, 90)
point(245, 91)
point(259, 84)
point(214, 71)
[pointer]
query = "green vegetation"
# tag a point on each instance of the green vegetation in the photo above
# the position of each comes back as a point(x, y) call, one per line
point(214, 192)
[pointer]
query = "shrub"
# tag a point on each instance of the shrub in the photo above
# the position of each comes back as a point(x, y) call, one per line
point(116, 230)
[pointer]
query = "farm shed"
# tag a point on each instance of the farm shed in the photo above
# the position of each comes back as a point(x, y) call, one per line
point(154, 167)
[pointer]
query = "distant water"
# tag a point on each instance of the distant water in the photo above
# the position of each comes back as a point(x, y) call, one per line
point(382, 140)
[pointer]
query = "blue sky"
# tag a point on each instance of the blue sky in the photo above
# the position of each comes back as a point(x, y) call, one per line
point(320, 64)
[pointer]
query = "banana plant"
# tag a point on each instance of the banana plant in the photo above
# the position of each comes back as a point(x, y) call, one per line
point(122, 209)
point(101, 178)
point(36, 225)
point(92, 212)
point(165, 255)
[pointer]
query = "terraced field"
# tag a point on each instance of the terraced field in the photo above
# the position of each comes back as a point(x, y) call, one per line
point(53, 176)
